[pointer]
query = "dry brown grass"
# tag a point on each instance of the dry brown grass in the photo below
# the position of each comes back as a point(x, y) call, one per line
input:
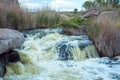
point(15, 18)
point(47, 18)
point(108, 40)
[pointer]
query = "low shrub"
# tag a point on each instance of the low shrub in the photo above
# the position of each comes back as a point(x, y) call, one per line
point(68, 23)
point(80, 21)
point(74, 22)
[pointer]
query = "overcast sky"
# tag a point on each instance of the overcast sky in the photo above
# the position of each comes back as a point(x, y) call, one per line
point(59, 5)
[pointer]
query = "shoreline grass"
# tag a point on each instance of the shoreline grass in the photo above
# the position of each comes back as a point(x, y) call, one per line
point(15, 18)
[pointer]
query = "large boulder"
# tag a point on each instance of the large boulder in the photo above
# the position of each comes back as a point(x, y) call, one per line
point(64, 17)
point(10, 39)
point(91, 13)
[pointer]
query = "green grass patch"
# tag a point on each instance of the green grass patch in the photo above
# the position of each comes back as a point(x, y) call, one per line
point(74, 22)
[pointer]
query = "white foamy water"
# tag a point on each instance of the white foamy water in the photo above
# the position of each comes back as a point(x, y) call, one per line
point(40, 60)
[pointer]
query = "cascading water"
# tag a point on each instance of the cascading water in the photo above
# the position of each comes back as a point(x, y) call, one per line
point(49, 55)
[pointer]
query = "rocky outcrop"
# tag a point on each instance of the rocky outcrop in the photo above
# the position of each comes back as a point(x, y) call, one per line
point(74, 31)
point(9, 39)
point(7, 57)
point(90, 14)
point(64, 17)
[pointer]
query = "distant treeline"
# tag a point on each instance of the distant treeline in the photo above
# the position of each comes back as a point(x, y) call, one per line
point(102, 4)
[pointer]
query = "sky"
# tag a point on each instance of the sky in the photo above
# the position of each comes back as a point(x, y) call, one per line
point(58, 5)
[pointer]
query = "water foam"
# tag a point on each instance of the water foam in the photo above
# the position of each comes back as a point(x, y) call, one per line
point(40, 60)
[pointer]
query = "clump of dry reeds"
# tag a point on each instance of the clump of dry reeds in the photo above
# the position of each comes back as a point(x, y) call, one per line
point(15, 18)
point(107, 37)
point(47, 18)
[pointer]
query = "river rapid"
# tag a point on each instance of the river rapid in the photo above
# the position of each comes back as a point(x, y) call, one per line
point(47, 54)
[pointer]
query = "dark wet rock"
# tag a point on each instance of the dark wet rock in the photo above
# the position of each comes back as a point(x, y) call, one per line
point(34, 32)
point(39, 33)
point(112, 63)
point(74, 31)
point(10, 39)
point(117, 58)
point(115, 76)
point(64, 53)
point(105, 60)
point(63, 48)
point(2, 68)
point(14, 57)
point(6, 58)
point(42, 34)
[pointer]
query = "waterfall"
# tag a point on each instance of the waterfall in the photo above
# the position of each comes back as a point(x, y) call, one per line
point(75, 48)
point(49, 55)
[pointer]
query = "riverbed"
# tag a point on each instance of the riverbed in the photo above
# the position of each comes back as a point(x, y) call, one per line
point(47, 54)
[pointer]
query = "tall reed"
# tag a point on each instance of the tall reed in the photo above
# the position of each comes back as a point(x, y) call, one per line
point(15, 18)
point(106, 34)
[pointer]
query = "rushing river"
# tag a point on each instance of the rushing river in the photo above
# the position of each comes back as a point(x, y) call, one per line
point(49, 55)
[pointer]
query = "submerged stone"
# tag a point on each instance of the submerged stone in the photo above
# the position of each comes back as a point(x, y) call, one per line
point(64, 53)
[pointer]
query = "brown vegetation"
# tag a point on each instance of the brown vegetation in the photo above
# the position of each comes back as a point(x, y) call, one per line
point(9, 3)
point(15, 18)
point(107, 36)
